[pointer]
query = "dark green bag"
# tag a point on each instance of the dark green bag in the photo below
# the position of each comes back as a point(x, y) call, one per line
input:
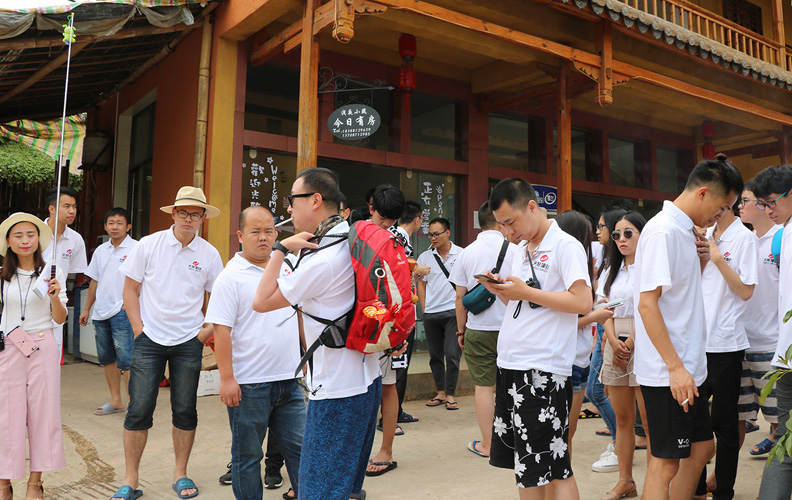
point(479, 299)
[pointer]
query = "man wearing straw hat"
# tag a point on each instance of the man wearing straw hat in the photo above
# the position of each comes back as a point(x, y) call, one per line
point(167, 274)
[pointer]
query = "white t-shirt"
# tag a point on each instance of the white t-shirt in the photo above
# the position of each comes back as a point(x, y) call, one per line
point(265, 347)
point(173, 280)
point(480, 256)
point(584, 346)
point(723, 308)
point(72, 258)
point(38, 311)
point(666, 257)
point(324, 283)
point(623, 287)
point(544, 339)
point(110, 282)
point(440, 295)
point(761, 313)
point(784, 296)
point(597, 251)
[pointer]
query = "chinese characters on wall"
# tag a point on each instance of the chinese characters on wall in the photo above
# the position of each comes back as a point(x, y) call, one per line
point(266, 181)
point(354, 122)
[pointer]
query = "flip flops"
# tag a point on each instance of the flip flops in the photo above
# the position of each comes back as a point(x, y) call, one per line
point(588, 414)
point(128, 493)
point(435, 402)
point(399, 430)
point(107, 409)
point(452, 405)
point(751, 426)
point(472, 448)
point(406, 418)
point(389, 466)
point(764, 448)
point(603, 432)
point(184, 483)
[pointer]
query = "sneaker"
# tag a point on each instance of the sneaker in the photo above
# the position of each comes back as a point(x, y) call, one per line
point(226, 478)
point(608, 461)
point(272, 478)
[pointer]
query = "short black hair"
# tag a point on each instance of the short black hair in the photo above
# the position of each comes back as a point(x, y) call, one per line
point(516, 192)
point(412, 209)
point(244, 213)
point(624, 204)
point(388, 201)
point(325, 182)
point(719, 173)
point(52, 194)
point(750, 185)
point(117, 211)
point(776, 179)
point(486, 218)
point(354, 216)
point(343, 203)
point(440, 220)
point(369, 194)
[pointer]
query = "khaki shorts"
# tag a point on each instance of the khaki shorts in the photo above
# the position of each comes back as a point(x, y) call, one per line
point(612, 375)
point(481, 356)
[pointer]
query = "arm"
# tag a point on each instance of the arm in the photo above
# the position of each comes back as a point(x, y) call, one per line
point(422, 294)
point(682, 385)
point(268, 295)
point(89, 302)
point(461, 315)
point(730, 275)
point(59, 312)
point(576, 300)
point(131, 296)
point(230, 393)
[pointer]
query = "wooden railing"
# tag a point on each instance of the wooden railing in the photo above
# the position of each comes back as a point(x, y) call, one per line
point(714, 27)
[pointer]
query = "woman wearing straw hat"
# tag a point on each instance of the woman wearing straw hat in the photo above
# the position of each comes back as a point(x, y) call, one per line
point(30, 357)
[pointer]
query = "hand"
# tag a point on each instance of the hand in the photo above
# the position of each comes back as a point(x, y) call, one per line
point(84, 318)
point(683, 387)
point(702, 246)
point(299, 241)
point(137, 329)
point(230, 393)
point(601, 315)
point(400, 350)
point(205, 332)
point(461, 341)
point(421, 271)
point(621, 353)
point(714, 252)
point(54, 289)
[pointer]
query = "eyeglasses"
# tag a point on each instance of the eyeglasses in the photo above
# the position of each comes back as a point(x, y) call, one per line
point(761, 205)
point(291, 197)
point(194, 216)
point(628, 233)
point(600, 227)
point(745, 201)
point(435, 235)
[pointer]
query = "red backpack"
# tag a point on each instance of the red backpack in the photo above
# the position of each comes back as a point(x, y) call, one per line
point(383, 315)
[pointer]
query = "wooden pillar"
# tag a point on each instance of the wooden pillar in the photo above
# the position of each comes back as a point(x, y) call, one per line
point(604, 46)
point(308, 120)
point(778, 31)
point(202, 122)
point(785, 144)
point(564, 163)
point(477, 188)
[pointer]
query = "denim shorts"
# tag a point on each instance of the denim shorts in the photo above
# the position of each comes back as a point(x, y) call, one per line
point(147, 370)
point(114, 340)
point(579, 378)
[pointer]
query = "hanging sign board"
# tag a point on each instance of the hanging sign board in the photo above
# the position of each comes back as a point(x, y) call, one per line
point(547, 196)
point(354, 122)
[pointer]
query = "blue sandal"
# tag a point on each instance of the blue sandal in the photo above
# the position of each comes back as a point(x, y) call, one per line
point(764, 447)
point(751, 427)
point(182, 484)
point(128, 493)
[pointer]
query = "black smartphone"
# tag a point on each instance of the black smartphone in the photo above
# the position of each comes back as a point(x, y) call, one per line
point(484, 277)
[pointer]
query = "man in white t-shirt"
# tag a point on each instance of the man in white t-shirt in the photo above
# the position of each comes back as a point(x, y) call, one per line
point(727, 282)
point(761, 324)
point(105, 295)
point(671, 330)
point(167, 275)
point(772, 186)
point(549, 286)
point(478, 333)
point(345, 385)
point(438, 305)
point(256, 355)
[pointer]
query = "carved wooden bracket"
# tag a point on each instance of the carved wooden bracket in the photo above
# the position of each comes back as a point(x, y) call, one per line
point(345, 12)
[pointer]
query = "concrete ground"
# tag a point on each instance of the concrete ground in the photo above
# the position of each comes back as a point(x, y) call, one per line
point(432, 455)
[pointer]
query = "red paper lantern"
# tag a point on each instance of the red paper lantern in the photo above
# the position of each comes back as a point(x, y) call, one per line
point(408, 48)
point(407, 81)
point(708, 151)
point(708, 129)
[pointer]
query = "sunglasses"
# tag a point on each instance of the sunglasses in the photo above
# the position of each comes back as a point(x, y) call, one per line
point(291, 197)
point(628, 233)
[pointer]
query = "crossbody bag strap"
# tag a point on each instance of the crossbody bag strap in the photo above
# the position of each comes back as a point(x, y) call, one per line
point(533, 273)
point(501, 256)
point(443, 268)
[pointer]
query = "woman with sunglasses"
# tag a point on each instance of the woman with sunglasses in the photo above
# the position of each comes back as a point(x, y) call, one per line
point(616, 283)
point(29, 357)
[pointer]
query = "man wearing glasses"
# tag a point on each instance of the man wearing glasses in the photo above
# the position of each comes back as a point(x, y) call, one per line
point(438, 303)
point(167, 274)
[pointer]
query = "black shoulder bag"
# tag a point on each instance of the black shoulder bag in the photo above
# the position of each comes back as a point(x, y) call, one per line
point(443, 268)
point(479, 299)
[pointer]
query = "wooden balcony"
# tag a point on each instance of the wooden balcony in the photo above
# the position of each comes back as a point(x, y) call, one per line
point(703, 22)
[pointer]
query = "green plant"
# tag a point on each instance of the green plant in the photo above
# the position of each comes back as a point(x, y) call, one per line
point(784, 444)
point(21, 164)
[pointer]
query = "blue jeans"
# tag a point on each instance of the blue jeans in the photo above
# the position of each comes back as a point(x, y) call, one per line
point(114, 340)
point(338, 438)
point(777, 476)
point(146, 371)
point(279, 406)
point(595, 392)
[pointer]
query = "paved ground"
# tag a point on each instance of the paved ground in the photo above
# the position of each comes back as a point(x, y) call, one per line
point(433, 460)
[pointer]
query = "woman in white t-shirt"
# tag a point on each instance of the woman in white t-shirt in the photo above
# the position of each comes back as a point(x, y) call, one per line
point(30, 357)
point(616, 283)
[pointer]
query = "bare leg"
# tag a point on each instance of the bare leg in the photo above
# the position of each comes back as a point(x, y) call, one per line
point(182, 446)
point(33, 487)
point(574, 416)
point(126, 383)
point(659, 473)
point(484, 401)
point(390, 410)
point(642, 409)
point(622, 400)
point(683, 487)
point(113, 376)
point(5, 489)
point(134, 444)
point(564, 488)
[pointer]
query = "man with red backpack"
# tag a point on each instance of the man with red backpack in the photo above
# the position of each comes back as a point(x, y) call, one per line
point(344, 384)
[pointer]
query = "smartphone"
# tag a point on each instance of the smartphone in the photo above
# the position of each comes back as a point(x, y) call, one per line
point(22, 340)
point(484, 277)
point(623, 337)
point(611, 304)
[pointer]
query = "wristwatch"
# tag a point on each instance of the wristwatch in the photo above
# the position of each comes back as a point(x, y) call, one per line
point(459, 334)
point(279, 246)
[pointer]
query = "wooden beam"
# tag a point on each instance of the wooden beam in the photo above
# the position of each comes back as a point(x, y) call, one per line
point(568, 53)
point(604, 47)
point(577, 85)
point(499, 75)
point(763, 150)
point(44, 71)
point(241, 20)
point(53, 41)
point(290, 37)
point(778, 31)
point(308, 118)
point(564, 163)
point(785, 144)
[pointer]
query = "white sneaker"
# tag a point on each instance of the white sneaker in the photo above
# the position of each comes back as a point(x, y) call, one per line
point(608, 461)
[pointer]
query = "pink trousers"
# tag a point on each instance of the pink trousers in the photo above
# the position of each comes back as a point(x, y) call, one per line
point(30, 404)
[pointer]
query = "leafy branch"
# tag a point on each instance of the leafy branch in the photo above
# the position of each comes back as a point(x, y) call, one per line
point(784, 444)
point(21, 164)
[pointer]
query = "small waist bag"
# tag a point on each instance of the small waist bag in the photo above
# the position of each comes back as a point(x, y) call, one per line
point(479, 299)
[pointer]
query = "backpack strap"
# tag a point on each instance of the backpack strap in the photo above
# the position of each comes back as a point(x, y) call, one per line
point(443, 268)
point(501, 256)
point(340, 238)
point(776, 246)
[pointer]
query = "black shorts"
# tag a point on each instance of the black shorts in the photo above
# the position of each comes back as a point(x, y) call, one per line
point(671, 430)
point(531, 427)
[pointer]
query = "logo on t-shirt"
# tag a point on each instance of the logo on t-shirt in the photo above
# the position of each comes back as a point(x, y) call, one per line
point(727, 257)
point(122, 259)
point(768, 260)
point(544, 258)
point(67, 254)
point(543, 263)
point(194, 266)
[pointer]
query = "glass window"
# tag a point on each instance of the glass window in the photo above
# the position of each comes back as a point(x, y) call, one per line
point(272, 95)
point(628, 165)
point(435, 127)
point(514, 141)
point(672, 169)
point(586, 154)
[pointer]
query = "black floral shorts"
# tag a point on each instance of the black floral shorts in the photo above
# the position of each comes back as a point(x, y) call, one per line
point(531, 427)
